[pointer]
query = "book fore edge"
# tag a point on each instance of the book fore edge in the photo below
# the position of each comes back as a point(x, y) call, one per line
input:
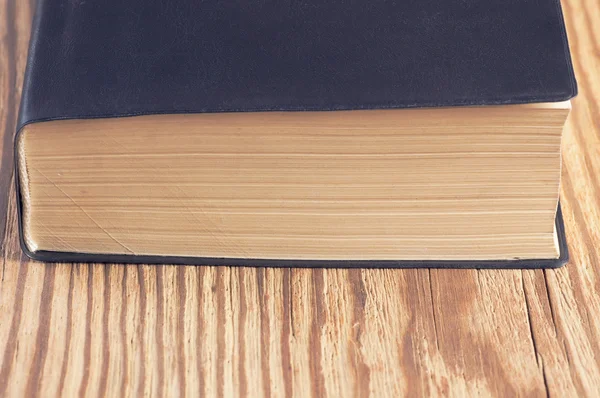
point(24, 193)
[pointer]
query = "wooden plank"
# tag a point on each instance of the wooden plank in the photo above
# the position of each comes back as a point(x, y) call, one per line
point(112, 330)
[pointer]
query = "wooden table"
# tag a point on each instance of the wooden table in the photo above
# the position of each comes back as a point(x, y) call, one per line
point(104, 330)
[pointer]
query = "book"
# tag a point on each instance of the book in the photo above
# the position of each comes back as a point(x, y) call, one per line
point(318, 133)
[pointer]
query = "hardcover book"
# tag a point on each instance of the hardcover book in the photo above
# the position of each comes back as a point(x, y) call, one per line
point(285, 133)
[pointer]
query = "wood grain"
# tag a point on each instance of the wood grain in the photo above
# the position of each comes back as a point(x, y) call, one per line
point(110, 330)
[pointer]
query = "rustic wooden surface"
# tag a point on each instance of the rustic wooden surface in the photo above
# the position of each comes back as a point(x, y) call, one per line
point(107, 330)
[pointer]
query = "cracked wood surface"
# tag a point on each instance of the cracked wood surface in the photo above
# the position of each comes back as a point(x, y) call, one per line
point(107, 330)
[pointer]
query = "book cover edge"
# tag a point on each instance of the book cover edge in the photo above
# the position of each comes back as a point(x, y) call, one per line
point(24, 119)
